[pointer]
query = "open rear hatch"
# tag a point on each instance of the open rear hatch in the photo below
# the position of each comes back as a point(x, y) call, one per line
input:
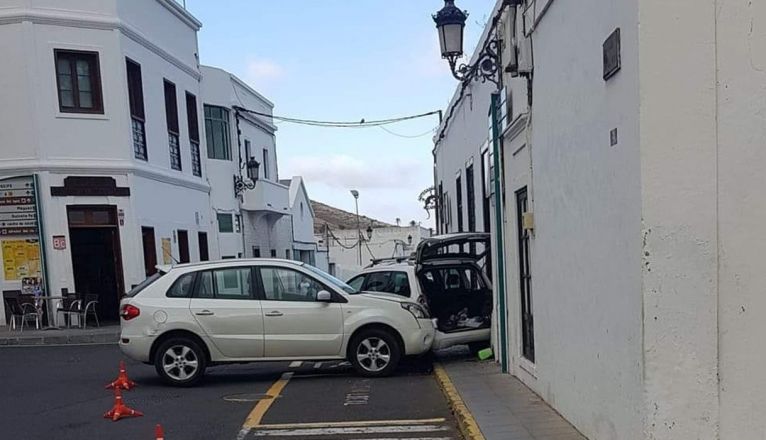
point(451, 270)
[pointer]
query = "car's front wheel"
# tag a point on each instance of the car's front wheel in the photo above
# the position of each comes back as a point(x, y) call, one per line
point(374, 353)
point(180, 362)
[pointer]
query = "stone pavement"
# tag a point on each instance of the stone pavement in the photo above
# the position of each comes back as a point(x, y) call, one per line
point(30, 336)
point(503, 407)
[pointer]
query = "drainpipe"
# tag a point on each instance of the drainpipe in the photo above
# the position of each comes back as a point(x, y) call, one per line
point(500, 261)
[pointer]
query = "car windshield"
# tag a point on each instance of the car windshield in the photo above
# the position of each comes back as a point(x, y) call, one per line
point(331, 280)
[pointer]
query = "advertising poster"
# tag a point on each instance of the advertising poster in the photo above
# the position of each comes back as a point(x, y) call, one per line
point(21, 259)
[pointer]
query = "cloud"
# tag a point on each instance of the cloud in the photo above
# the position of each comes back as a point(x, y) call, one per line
point(261, 70)
point(345, 172)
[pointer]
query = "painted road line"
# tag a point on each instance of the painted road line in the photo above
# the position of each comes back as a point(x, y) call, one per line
point(353, 424)
point(296, 364)
point(407, 438)
point(351, 430)
point(256, 415)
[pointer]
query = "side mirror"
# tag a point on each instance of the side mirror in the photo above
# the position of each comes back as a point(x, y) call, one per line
point(324, 296)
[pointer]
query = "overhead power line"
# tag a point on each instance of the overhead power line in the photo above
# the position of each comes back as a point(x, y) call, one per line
point(362, 123)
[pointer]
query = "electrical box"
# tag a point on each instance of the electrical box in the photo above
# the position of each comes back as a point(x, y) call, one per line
point(528, 221)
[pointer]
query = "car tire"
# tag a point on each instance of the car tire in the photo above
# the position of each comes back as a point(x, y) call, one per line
point(374, 353)
point(180, 362)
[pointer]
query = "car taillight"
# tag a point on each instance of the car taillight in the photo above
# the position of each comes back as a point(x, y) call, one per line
point(129, 312)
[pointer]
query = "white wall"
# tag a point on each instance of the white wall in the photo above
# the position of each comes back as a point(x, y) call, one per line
point(741, 160)
point(585, 195)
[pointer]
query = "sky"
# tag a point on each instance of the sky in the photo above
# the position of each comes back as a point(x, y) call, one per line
point(344, 60)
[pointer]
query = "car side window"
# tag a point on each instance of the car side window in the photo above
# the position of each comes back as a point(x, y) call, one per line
point(356, 282)
point(282, 284)
point(378, 282)
point(182, 287)
point(401, 284)
point(228, 283)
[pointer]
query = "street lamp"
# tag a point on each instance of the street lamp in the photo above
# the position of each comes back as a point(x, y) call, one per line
point(450, 22)
point(355, 193)
point(240, 184)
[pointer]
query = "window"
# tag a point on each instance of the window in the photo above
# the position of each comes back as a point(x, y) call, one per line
point(459, 194)
point(389, 282)
point(225, 223)
point(303, 214)
point(256, 252)
point(171, 117)
point(217, 132)
point(182, 288)
point(356, 282)
point(469, 192)
point(248, 152)
point(287, 254)
point(193, 123)
point(485, 190)
point(230, 283)
point(265, 164)
point(273, 253)
point(440, 210)
point(136, 101)
point(280, 284)
point(78, 81)
point(525, 279)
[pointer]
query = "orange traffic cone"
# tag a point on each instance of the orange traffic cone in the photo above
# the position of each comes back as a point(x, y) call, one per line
point(122, 380)
point(119, 410)
point(159, 434)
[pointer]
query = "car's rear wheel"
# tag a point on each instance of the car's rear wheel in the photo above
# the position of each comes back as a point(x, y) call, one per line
point(374, 353)
point(180, 362)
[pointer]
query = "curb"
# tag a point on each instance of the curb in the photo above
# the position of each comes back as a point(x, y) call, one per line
point(467, 424)
point(60, 340)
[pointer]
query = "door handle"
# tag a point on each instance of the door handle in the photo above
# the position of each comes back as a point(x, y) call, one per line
point(205, 313)
point(275, 313)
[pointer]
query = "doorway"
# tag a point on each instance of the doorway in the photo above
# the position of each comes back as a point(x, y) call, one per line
point(150, 251)
point(203, 250)
point(96, 256)
point(183, 246)
point(525, 279)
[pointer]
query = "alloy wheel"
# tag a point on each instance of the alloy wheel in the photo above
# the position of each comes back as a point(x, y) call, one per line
point(180, 362)
point(373, 354)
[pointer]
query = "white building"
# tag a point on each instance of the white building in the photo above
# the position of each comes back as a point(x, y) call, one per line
point(129, 147)
point(257, 223)
point(640, 305)
point(384, 242)
point(304, 244)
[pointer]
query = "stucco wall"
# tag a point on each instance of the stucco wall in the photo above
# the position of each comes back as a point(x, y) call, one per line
point(741, 213)
point(678, 184)
point(586, 283)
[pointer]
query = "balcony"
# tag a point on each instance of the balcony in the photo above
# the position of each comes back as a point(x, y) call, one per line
point(267, 197)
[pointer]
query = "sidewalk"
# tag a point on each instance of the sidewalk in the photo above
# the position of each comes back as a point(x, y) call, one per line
point(502, 406)
point(90, 335)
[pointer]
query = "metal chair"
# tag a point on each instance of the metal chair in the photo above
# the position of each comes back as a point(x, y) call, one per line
point(25, 311)
point(91, 301)
point(70, 307)
point(13, 311)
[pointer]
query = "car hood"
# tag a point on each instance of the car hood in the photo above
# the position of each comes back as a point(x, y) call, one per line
point(384, 296)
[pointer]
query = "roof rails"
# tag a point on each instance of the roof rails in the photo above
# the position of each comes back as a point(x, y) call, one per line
point(390, 261)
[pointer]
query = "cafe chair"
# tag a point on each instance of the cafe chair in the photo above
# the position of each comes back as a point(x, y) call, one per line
point(22, 311)
point(91, 301)
point(69, 307)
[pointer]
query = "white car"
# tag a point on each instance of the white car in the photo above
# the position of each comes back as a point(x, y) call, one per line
point(191, 316)
point(446, 277)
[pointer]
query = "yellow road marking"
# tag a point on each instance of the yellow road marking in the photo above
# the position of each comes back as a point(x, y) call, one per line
point(352, 424)
point(256, 415)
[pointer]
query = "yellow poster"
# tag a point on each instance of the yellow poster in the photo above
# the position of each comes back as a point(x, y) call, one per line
point(167, 251)
point(21, 259)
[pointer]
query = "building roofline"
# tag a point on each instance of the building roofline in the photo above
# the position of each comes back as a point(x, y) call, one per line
point(182, 14)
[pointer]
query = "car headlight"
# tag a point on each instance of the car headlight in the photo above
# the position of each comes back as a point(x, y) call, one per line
point(417, 311)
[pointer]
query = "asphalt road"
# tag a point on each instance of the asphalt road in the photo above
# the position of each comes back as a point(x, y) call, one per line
point(58, 393)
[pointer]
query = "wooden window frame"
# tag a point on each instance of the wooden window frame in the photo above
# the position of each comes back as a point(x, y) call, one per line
point(93, 60)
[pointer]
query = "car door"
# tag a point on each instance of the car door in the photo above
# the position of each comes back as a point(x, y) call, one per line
point(225, 306)
point(296, 325)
